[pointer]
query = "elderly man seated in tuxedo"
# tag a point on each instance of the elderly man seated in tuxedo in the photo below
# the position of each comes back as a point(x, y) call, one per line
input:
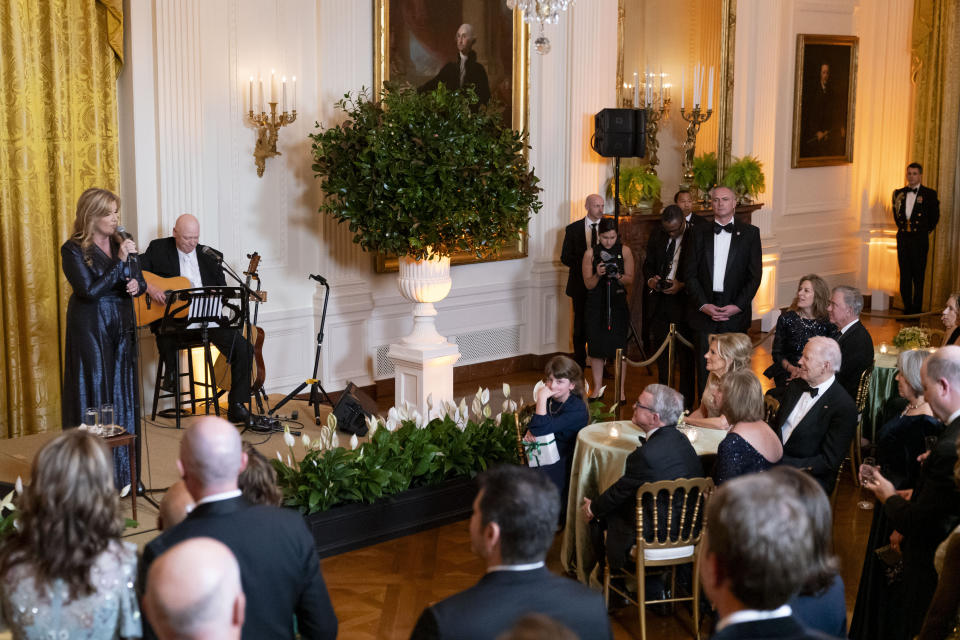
point(666, 454)
point(512, 528)
point(817, 418)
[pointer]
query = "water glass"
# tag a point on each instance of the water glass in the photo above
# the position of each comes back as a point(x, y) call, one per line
point(867, 470)
point(106, 415)
point(90, 418)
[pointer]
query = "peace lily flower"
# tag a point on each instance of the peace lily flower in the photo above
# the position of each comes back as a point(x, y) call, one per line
point(496, 419)
point(7, 502)
point(125, 491)
point(477, 407)
point(391, 425)
point(332, 421)
point(506, 390)
point(18, 486)
point(279, 457)
point(418, 419)
point(289, 461)
point(537, 387)
point(393, 415)
point(306, 440)
point(485, 396)
point(334, 440)
point(430, 401)
point(463, 406)
point(372, 423)
point(486, 411)
point(354, 442)
point(288, 438)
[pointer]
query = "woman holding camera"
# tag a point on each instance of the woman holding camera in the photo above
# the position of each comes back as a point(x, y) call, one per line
point(607, 272)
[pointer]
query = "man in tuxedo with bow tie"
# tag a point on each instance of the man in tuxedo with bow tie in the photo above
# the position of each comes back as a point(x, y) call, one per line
point(578, 237)
point(928, 515)
point(722, 276)
point(916, 210)
point(666, 454)
point(817, 418)
point(666, 300)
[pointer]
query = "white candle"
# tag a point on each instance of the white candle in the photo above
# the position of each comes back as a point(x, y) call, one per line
point(661, 85)
point(294, 107)
point(273, 85)
point(261, 94)
point(251, 94)
point(683, 84)
point(695, 68)
point(710, 91)
point(636, 90)
point(284, 93)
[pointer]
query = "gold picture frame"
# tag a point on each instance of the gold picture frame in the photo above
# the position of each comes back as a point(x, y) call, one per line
point(519, 106)
point(825, 92)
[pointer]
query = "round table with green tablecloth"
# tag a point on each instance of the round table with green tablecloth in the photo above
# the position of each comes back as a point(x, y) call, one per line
point(883, 386)
point(598, 462)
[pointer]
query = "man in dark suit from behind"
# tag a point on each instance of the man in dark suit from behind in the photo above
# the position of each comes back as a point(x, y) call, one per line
point(757, 552)
point(512, 528)
point(666, 301)
point(578, 237)
point(856, 345)
point(182, 255)
point(279, 566)
point(722, 275)
point(926, 518)
point(916, 211)
point(817, 418)
point(666, 454)
point(465, 71)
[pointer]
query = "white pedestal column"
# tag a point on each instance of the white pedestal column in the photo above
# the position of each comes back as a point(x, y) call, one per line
point(423, 361)
point(421, 370)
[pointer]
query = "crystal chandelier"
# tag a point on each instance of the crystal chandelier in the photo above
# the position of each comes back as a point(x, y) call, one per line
point(542, 11)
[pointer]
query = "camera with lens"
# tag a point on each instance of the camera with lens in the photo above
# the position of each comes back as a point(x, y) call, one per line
point(613, 269)
point(663, 284)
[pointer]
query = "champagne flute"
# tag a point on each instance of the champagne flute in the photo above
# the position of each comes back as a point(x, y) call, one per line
point(867, 471)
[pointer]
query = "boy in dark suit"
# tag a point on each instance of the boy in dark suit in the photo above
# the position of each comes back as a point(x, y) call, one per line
point(916, 210)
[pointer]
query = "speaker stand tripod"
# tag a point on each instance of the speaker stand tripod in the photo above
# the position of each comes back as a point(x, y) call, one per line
point(316, 389)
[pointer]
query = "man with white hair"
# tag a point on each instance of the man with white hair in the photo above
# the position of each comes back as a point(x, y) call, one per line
point(279, 566)
point(926, 517)
point(193, 592)
point(817, 417)
point(465, 71)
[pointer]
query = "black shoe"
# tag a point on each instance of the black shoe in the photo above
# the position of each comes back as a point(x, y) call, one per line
point(238, 414)
point(168, 384)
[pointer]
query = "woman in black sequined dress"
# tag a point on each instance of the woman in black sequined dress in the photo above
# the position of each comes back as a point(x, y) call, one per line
point(806, 318)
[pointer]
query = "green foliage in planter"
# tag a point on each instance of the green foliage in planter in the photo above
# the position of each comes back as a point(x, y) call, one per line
point(421, 174)
point(393, 461)
point(636, 185)
point(745, 176)
point(705, 171)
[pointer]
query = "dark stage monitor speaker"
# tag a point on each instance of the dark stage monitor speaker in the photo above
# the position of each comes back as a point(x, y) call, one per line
point(352, 409)
point(620, 133)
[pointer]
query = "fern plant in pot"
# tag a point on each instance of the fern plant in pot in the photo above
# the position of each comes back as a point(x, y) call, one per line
point(422, 176)
point(745, 177)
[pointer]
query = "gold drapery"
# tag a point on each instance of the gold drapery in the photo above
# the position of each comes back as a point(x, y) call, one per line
point(58, 137)
point(935, 145)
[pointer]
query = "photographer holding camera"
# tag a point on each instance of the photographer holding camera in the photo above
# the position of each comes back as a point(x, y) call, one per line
point(666, 300)
point(607, 272)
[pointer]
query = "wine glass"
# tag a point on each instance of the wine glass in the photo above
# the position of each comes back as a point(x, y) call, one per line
point(867, 471)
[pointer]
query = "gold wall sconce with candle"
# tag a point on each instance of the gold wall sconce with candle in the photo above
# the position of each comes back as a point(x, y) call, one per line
point(269, 124)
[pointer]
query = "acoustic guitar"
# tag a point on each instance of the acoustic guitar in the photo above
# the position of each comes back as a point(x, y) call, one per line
point(221, 368)
point(149, 310)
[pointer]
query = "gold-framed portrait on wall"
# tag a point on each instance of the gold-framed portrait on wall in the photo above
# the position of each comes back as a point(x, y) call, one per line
point(477, 43)
point(824, 99)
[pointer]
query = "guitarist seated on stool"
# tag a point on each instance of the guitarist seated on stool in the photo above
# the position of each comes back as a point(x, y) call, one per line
point(179, 256)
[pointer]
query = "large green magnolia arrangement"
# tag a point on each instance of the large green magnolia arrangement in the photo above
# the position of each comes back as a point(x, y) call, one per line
point(404, 451)
point(425, 174)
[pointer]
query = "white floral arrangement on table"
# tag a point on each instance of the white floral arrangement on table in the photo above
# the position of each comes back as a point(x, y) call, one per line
point(403, 451)
point(911, 338)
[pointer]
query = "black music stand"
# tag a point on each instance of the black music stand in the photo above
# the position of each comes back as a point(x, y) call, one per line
point(210, 308)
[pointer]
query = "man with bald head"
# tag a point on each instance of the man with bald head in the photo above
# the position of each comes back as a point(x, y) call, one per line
point(182, 255)
point(817, 418)
point(722, 275)
point(279, 566)
point(465, 71)
point(193, 592)
point(578, 237)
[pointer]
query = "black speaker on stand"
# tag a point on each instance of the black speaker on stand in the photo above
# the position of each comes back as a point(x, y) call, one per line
point(619, 133)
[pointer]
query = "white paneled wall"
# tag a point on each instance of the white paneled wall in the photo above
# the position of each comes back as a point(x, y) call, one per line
point(186, 147)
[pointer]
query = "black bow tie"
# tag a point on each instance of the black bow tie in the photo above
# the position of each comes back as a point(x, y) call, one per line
point(911, 190)
point(717, 227)
point(813, 391)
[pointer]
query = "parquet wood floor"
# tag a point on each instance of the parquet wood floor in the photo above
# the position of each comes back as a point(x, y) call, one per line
point(380, 591)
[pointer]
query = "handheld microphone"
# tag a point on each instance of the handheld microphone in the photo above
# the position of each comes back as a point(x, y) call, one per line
point(319, 279)
point(133, 258)
point(210, 253)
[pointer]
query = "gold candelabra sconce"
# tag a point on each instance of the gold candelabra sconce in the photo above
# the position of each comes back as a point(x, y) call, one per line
point(269, 124)
point(695, 118)
point(654, 116)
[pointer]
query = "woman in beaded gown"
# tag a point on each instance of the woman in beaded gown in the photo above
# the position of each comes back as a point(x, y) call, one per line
point(806, 318)
point(751, 445)
point(877, 614)
point(64, 572)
